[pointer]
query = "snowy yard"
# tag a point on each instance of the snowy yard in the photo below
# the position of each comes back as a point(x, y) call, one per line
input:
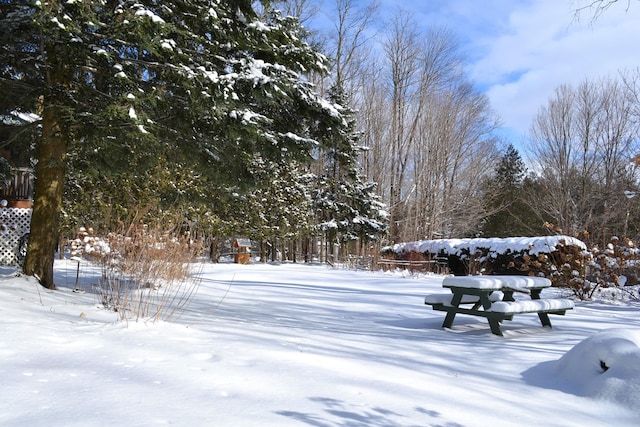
point(294, 345)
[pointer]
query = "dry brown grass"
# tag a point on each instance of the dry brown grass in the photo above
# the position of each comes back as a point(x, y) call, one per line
point(148, 274)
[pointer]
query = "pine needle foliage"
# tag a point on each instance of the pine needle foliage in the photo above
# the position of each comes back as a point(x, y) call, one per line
point(155, 103)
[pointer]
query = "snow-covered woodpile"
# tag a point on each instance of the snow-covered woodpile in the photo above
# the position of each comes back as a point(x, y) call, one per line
point(558, 258)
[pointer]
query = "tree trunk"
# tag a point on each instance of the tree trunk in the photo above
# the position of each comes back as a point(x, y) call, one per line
point(274, 255)
point(294, 249)
point(50, 173)
point(47, 203)
point(214, 251)
point(305, 249)
point(263, 251)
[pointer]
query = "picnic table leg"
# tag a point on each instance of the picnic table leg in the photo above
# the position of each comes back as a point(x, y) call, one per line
point(544, 319)
point(494, 323)
point(495, 326)
point(455, 302)
point(448, 320)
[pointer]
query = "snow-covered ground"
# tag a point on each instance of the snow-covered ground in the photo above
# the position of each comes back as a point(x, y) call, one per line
point(295, 345)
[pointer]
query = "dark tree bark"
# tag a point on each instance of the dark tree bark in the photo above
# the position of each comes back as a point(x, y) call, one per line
point(50, 177)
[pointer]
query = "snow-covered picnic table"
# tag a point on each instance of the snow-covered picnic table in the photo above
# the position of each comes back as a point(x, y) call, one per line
point(492, 297)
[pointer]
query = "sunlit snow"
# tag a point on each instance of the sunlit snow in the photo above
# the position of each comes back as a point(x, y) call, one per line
point(299, 345)
point(532, 245)
point(150, 14)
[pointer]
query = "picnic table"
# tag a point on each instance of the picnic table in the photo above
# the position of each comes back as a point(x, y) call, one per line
point(492, 297)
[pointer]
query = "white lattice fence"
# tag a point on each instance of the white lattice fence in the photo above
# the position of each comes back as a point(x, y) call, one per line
point(14, 224)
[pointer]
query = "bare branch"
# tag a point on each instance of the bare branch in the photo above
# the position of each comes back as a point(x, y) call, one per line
point(596, 8)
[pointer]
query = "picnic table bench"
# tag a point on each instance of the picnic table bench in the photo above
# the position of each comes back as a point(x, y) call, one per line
point(492, 297)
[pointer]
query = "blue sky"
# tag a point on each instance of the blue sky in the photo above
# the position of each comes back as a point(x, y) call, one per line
point(520, 51)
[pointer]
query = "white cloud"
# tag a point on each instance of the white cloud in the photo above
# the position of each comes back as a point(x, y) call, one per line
point(544, 47)
point(520, 51)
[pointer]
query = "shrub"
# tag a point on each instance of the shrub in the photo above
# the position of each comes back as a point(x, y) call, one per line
point(613, 272)
point(147, 274)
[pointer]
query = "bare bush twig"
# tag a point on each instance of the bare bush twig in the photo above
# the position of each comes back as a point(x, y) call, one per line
point(146, 274)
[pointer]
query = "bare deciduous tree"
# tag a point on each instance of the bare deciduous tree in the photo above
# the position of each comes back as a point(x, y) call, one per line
point(631, 81)
point(373, 119)
point(427, 132)
point(352, 30)
point(583, 141)
point(402, 51)
point(304, 10)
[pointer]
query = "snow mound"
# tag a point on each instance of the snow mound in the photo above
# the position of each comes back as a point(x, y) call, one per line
point(604, 366)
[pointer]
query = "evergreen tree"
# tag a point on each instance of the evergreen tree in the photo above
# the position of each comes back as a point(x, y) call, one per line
point(277, 211)
point(511, 170)
point(346, 207)
point(507, 200)
point(151, 103)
